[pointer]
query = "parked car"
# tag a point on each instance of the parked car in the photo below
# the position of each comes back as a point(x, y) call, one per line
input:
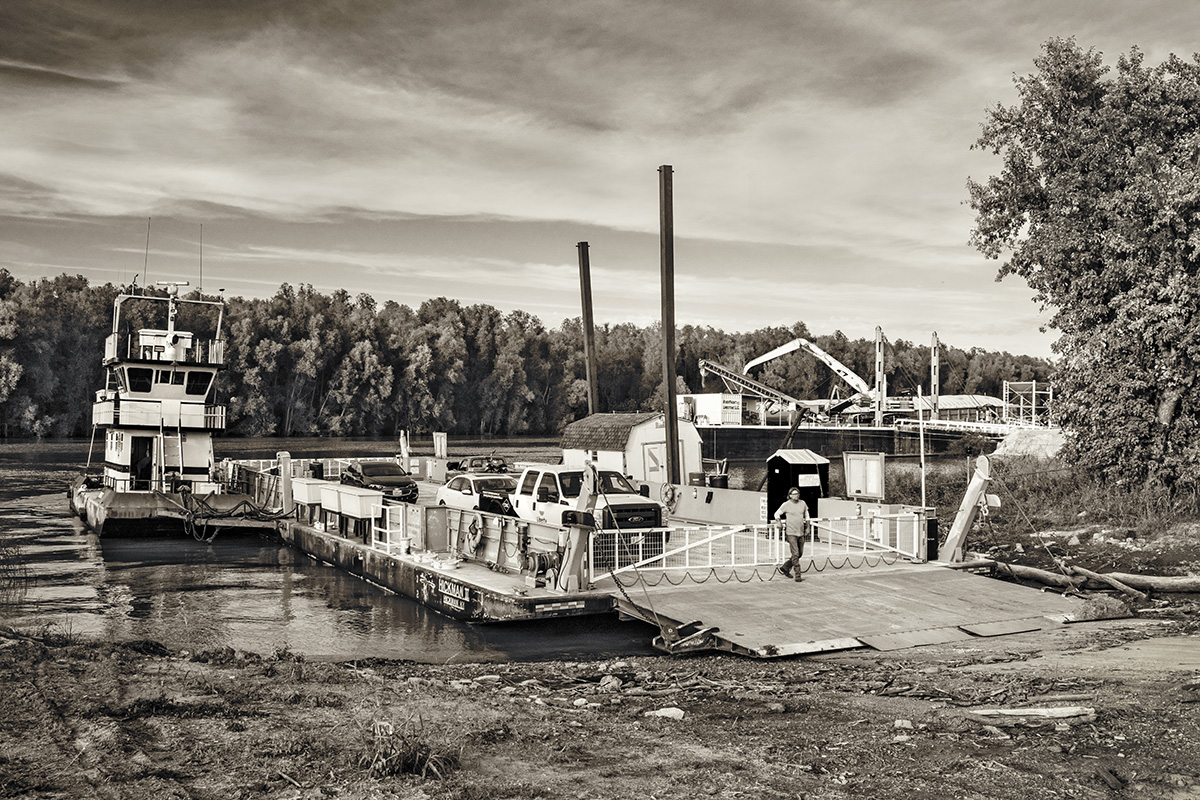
point(382, 476)
point(489, 464)
point(491, 493)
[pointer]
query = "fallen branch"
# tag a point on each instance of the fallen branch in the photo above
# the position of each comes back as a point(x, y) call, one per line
point(1158, 583)
point(1124, 582)
point(1063, 712)
point(1110, 581)
point(1040, 575)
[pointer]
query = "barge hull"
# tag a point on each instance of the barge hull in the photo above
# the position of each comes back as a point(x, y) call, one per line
point(470, 593)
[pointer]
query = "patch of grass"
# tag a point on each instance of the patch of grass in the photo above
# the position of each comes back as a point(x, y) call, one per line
point(54, 634)
point(406, 751)
point(1038, 494)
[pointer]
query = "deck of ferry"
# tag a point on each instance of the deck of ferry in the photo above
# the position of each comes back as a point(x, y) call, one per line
point(866, 603)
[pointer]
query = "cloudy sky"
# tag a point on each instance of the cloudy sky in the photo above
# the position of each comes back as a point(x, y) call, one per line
point(414, 149)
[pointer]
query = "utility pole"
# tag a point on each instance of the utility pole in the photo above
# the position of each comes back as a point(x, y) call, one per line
point(667, 258)
point(589, 333)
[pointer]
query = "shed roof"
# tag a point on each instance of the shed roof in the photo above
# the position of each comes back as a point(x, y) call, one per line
point(603, 431)
point(800, 457)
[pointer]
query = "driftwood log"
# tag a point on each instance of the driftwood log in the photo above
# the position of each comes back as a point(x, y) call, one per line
point(1080, 578)
point(1158, 583)
point(1039, 575)
point(1110, 581)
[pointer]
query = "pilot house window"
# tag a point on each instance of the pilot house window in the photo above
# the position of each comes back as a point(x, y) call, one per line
point(140, 379)
point(198, 382)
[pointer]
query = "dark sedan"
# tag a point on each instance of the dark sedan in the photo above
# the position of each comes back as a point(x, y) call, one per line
point(382, 476)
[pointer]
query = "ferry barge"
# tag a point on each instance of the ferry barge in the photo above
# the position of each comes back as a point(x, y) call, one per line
point(869, 580)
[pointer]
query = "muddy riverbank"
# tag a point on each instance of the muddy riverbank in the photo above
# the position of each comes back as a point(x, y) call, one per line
point(1089, 710)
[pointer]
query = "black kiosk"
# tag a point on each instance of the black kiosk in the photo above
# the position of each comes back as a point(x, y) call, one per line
point(802, 468)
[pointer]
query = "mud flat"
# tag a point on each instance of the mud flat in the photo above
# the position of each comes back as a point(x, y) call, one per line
point(1089, 710)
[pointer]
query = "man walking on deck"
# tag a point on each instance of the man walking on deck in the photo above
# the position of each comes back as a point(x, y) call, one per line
point(794, 513)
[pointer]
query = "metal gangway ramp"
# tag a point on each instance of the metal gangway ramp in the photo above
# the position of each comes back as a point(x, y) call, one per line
point(855, 592)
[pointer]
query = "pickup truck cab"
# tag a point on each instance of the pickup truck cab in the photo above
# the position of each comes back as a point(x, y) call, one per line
point(544, 492)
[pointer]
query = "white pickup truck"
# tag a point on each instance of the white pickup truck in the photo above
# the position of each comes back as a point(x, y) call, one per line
point(544, 492)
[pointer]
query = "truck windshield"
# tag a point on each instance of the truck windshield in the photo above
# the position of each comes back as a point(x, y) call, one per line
point(610, 483)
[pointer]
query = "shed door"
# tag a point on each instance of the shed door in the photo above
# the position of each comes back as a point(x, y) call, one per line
point(654, 458)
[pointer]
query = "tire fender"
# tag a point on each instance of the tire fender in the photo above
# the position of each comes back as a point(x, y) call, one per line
point(667, 494)
point(474, 532)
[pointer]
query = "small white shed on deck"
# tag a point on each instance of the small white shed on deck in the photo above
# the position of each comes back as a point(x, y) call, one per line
point(633, 444)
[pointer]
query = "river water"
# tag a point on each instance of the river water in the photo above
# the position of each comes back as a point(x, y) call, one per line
point(243, 591)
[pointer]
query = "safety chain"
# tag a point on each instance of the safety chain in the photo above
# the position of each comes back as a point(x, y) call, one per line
point(755, 574)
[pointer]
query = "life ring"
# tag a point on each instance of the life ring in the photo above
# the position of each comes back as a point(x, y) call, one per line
point(667, 494)
point(475, 533)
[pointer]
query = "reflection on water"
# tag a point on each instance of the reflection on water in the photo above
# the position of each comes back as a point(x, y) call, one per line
point(241, 591)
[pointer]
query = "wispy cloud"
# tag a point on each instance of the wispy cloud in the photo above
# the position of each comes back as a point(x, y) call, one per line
point(420, 149)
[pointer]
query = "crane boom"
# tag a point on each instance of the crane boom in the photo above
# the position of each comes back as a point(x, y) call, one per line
point(838, 367)
point(739, 383)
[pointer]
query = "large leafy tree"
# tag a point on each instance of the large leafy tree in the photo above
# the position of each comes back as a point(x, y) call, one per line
point(1096, 207)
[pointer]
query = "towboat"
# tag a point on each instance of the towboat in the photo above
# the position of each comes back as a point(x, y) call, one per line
point(157, 415)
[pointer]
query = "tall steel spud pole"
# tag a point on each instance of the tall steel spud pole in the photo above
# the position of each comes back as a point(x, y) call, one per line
point(667, 253)
point(589, 333)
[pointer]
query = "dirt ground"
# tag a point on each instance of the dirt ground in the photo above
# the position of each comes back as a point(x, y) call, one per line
point(1101, 709)
point(1097, 710)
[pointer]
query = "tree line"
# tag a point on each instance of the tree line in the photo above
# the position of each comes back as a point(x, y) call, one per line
point(306, 363)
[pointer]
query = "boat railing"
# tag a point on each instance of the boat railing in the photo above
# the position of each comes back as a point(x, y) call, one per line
point(254, 478)
point(171, 483)
point(334, 467)
point(684, 548)
point(902, 534)
point(129, 347)
point(393, 528)
point(111, 411)
point(214, 418)
point(506, 544)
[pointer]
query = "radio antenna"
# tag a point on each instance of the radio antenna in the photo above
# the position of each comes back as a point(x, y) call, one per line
point(200, 284)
